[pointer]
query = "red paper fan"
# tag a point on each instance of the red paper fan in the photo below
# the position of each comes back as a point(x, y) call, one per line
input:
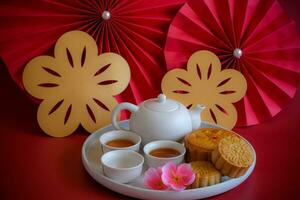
point(253, 36)
point(135, 29)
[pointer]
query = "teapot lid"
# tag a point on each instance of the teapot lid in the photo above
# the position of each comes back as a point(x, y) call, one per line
point(161, 104)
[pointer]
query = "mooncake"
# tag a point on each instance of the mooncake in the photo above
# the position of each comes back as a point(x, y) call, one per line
point(205, 174)
point(233, 156)
point(202, 142)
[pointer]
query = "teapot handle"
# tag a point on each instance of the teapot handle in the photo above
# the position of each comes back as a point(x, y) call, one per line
point(122, 106)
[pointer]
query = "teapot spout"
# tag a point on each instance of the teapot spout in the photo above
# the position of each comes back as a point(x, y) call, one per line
point(195, 114)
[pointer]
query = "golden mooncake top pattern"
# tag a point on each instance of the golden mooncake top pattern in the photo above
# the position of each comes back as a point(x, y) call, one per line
point(208, 138)
point(236, 151)
point(204, 168)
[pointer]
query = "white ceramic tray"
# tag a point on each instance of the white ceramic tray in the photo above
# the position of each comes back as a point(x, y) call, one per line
point(91, 153)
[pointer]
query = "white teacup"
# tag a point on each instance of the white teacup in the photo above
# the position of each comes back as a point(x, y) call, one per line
point(122, 165)
point(117, 135)
point(153, 161)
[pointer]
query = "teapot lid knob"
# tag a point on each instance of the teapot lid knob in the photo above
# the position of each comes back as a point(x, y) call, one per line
point(161, 98)
point(161, 104)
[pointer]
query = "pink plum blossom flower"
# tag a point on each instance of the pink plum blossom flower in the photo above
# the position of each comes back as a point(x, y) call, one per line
point(177, 178)
point(152, 179)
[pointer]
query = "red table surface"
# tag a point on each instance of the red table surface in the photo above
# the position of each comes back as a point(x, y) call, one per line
point(36, 166)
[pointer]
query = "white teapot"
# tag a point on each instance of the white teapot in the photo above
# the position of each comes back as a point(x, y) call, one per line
point(160, 119)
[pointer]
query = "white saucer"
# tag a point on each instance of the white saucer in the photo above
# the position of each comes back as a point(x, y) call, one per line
point(91, 153)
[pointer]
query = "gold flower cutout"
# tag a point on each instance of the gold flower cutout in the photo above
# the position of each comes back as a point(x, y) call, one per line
point(205, 83)
point(76, 86)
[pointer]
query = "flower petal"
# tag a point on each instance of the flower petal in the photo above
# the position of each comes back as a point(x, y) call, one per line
point(186, 174)
point(73, 52)
point(58, 117)
point(223, 114)
point(111, 72)
point(205, 63)
point(177, 187)
point(159, 171)
point(152, 173)
point(169, 169)
point(152, 179)
point(168, 173)
point(42, 77)
point(96, 111)
point(230, 85)
point(173, 86)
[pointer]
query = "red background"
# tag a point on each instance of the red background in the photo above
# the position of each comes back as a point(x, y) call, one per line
point(35, 166)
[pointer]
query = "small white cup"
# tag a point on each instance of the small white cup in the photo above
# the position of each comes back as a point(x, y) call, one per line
point(122, 165)
point(153, 161)
point(120, 134)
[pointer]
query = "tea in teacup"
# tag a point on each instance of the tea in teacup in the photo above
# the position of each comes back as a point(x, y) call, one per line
point(119, 139)
point(164, 153)
point(120, 143)
point(159, 152)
